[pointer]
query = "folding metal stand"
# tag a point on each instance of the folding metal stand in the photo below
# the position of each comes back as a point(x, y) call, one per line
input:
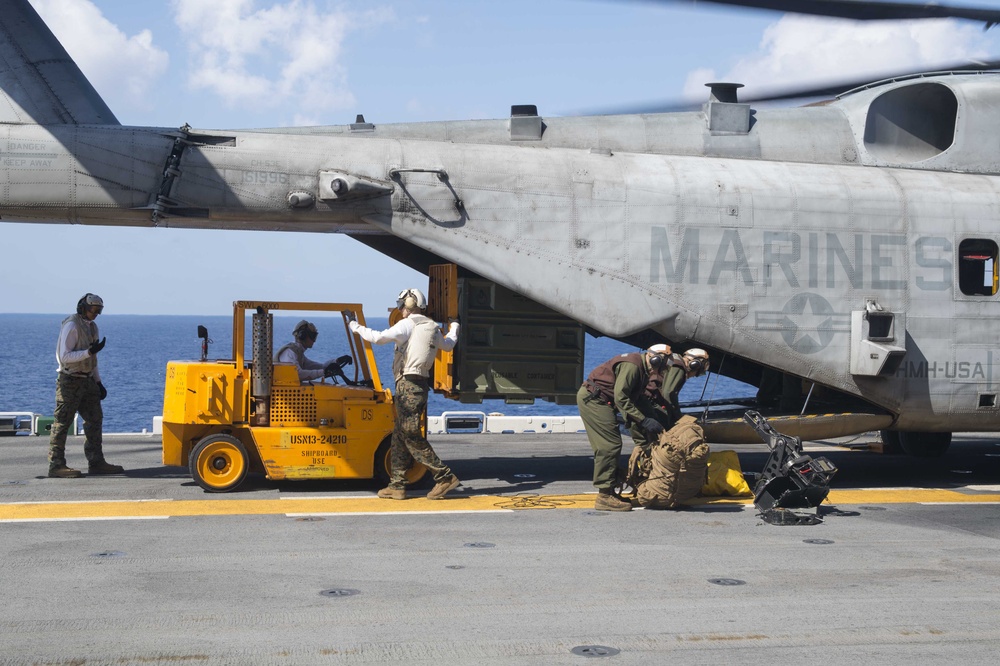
point(792, 485)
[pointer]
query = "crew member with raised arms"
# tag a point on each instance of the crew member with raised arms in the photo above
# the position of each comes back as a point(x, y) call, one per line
point(417, 339)
point(79, 390)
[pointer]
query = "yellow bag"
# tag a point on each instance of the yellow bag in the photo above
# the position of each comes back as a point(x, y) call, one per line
point(725, 476)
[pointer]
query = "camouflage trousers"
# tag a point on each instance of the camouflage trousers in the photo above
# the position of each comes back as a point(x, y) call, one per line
point(76, 395)
point(408, 441)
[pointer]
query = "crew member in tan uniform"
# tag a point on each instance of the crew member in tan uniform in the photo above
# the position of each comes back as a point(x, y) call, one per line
point(417, 339)
point(79, 390)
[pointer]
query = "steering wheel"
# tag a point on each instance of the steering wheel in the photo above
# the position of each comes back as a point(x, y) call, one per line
point(336, 369)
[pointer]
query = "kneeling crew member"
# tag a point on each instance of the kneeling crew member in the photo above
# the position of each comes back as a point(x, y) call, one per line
point(616, 387)
point(662, 391)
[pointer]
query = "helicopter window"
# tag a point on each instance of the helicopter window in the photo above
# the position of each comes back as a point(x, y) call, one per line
point(911, 123)
point(977, 267)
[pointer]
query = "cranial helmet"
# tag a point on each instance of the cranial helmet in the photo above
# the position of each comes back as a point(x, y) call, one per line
point(89, 300)
point(657, 356)
point(411, 299)
point(305, 328)
point(697, 361)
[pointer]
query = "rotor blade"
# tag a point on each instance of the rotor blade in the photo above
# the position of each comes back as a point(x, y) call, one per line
point(840, 87)
point(859, 10)
point(825, 90)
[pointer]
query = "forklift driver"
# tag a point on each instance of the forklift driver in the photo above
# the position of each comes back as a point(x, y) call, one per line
point(305, 335)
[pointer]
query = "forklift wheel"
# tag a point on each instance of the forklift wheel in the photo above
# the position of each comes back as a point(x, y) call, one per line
point(219, 463)
point(383, 465)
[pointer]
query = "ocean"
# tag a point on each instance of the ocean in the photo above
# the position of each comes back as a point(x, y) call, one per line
point(133, 364)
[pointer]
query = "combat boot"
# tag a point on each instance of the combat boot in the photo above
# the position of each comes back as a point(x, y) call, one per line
point(104, 467)
point(441, 488)
point(392, 493)
point(608, 501)
point(63, 472)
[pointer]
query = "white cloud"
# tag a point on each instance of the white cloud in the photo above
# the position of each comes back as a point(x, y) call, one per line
point(300, 120)
point(805, 51)
point(123, 69)
point(287, 54)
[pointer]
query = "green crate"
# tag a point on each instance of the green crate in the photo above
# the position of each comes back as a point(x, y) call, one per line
point(514, 348)
point(43, 425)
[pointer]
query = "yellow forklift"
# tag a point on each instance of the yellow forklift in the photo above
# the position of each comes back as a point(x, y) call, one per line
point(226, 418)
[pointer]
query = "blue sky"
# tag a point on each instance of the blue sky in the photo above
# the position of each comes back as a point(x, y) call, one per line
point(260, 63)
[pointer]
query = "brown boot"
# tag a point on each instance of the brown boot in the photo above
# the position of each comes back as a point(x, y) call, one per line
point(63, 472)
point(441, 488)
point(392, 493)
point(608, 501)
point(105, 467)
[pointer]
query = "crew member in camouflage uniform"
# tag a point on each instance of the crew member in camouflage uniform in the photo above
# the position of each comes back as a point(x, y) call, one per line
point(417, 340)
point(79, 390)
point(611, 388)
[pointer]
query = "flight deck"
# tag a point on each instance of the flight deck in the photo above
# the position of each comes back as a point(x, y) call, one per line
point(515, 568)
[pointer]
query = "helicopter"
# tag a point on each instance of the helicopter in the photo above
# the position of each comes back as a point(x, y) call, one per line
point(840, 256)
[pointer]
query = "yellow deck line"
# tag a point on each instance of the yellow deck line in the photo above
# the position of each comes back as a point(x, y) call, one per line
point(113, 509)
point(907, 496)
point(234, 507)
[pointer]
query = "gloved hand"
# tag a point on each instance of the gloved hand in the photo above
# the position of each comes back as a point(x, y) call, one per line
point(453, 327)
point(651, 425)
point(104, 391)
point(349, 316)
point(96, 346)
point(346, 359)
point(331, 369)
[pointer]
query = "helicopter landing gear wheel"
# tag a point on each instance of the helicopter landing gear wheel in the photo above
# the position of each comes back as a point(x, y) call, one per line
point(890, 441)
point(925, 444)
point(219, 463)
point(383, 465)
